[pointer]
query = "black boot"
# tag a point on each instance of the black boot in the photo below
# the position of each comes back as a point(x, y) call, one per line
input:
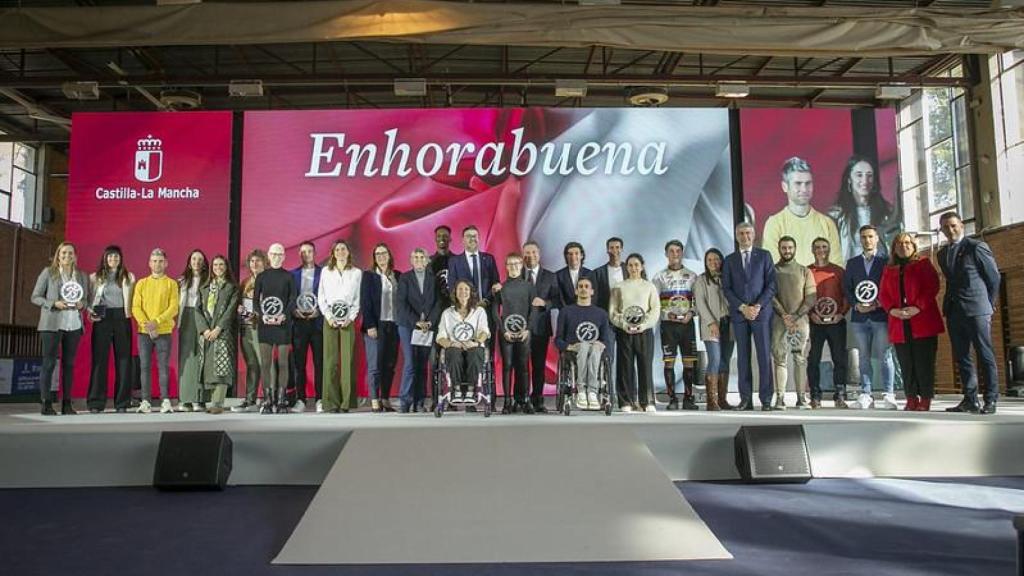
point(66, 409)
point(48, 409)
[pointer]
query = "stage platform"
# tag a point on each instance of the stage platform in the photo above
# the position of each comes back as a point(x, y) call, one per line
point(299, 449)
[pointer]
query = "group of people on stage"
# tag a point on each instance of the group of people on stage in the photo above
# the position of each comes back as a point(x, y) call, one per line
point(459, 306)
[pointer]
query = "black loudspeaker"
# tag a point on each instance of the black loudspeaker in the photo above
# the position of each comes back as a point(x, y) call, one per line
point(193, 461)
point(772, 454)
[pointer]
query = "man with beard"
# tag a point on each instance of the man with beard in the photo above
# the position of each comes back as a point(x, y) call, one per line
point(794, 298)
point(798, 219)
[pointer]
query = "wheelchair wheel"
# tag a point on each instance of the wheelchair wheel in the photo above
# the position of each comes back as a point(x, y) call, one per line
point(487, 409)
point(566, 404)
point(439, 410)
point(608, 408)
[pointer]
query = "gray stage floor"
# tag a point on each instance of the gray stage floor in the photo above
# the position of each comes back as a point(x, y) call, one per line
point(298, 449)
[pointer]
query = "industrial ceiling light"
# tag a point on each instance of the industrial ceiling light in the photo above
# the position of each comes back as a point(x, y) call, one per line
point(410, 87)
point(245, 88)
point(599, 2)
point(570, 88)
point(732, 90)
point(892, 91)
point(81, 90)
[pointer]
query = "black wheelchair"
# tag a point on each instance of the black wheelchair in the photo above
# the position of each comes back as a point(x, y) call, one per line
point(569, 386)
point(464, 394)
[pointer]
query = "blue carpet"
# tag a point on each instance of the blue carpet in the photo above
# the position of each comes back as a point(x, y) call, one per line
point(834, 527)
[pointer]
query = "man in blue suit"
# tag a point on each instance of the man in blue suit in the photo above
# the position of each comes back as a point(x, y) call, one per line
point(972, 285)
point(307, 329)
point(748, 280)
point(481, 271)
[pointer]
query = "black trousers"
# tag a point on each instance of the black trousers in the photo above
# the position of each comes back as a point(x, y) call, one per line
point(307, 334)
point(66, 344)
point(514, 359)
point(917, 364)
point(387, 356)
point(538, 366)
point(113, 330)
point(464, 365)
point(835, 335)
point(680, 338)
point(635, 358)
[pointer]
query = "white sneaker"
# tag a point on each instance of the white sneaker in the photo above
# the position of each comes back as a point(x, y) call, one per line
point(593, 401)
point(888, 403)
point(165, 406)
point(319, 406)
point(864, 402)
point(299, 407)
point(650, 408)
point(144, 407)
point(626, 408)
point(581, 401)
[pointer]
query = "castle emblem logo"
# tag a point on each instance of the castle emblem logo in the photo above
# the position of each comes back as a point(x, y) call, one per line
point(149, 159)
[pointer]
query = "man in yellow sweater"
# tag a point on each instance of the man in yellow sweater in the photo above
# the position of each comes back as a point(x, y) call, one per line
point(799, 219)
point(154, 307)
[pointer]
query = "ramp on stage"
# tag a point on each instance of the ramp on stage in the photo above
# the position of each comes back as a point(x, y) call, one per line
point(497, 494)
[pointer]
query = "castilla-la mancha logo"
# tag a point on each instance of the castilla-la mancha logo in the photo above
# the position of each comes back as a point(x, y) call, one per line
point(149, 159)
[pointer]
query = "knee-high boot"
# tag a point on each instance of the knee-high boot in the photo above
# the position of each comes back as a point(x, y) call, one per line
point(711, 383)
point(723, 391)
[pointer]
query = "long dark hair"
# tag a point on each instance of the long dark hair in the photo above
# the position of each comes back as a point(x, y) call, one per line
point(121, 274)
point(721, 259)
point(848, 206)
point(643, 267)
point(204, 273)
point(474, 298)
point(229, 276)
point(390, 264)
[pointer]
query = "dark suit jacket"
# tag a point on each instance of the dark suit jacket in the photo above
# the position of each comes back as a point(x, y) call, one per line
point(566, 289)
point(412, 303)
point(972, 284)
point(755, 286)
point(547, 289)
point(458, 269)
point(602, 292)
point(370, 289)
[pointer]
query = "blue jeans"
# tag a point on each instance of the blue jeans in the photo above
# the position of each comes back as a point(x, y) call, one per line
point(720, 352)
point(415, 360)
point(162, 345)
point(872, 342)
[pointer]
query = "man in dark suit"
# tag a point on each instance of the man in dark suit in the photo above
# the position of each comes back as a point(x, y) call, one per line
point(418, 308)
point(972, 284)
point(546, 300)
point(608, 275)
point(481, 271)
point(748, 280)
point(307, 330)
point(574, 270)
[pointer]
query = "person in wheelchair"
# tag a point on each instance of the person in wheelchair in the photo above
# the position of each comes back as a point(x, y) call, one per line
point(584, 334)
point(463, 333)
point(514, 298)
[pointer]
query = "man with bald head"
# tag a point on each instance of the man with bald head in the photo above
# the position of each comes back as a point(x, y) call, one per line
point(274, 304)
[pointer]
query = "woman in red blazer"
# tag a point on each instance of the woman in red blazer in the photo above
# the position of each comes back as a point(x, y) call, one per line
point(908, 292)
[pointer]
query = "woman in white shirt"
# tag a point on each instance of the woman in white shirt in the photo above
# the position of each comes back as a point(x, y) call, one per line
point(462, 333)
point(634, 310)
point(338, 298)
point(196, 275)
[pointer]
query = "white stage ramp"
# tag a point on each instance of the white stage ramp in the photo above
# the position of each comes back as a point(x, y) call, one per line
point(500, 494)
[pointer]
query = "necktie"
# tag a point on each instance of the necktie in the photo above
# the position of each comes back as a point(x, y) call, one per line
point(746, 260)
point(952, 255)
point(476, 275)
point(529, 276)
